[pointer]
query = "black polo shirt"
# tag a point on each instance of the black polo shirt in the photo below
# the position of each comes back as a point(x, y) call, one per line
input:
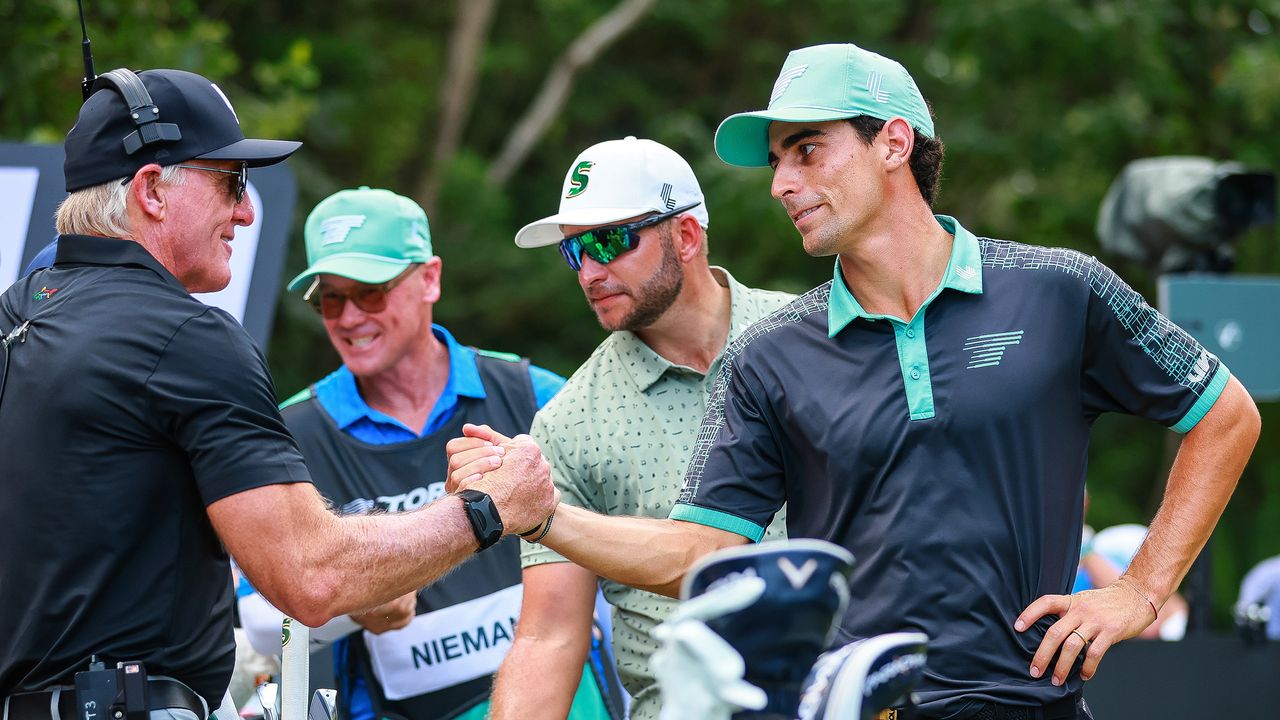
point(129, 406)
point(946, 451)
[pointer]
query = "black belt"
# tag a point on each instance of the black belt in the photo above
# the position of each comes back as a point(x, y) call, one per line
point(1066, 708)
point(1063, 709)
point(162, 694)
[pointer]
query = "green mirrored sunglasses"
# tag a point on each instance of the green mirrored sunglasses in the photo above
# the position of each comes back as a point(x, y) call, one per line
point(604, 244)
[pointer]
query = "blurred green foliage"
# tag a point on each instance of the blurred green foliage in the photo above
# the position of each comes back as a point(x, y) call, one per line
point(1040, 103)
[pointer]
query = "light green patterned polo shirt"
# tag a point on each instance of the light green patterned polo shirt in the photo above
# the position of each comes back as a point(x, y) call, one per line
point(619, 436)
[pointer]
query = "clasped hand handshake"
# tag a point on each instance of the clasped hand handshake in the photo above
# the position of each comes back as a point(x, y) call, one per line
point(511, 471)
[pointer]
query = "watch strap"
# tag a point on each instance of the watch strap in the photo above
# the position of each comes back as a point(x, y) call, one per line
point(486, 523)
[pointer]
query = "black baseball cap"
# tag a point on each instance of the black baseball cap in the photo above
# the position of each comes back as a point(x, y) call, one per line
point(210, 130)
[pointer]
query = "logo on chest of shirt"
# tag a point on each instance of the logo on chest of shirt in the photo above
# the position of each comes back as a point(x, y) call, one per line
point(988, 350)
point(402, 502)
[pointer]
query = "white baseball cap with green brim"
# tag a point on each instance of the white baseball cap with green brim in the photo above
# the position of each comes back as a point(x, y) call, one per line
point(821, 83)
point(368, 235)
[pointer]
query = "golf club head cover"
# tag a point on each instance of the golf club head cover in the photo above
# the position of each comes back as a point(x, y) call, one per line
point(861, 679)
point(780, 634)
point(700, 675)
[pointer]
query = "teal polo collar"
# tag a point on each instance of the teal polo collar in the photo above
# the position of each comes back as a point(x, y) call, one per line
point(964, 274)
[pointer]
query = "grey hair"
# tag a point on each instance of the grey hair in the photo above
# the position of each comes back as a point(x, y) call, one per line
point(102, 209)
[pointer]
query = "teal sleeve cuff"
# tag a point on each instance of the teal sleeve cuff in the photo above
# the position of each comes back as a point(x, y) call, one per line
point(1205, 401)
point(717, 519)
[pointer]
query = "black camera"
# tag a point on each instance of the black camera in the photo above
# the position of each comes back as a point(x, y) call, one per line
point(119, 693)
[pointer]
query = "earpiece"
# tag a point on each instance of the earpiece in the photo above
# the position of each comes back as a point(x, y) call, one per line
point(142, 109)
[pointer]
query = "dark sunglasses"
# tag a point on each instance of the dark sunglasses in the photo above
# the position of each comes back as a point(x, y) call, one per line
point(235, 186)
point(369, 298)
point(605, 244)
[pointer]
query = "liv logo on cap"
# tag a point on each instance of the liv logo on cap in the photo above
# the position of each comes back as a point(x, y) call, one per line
point(336, 229)
point(366, 234)
point(784, 81)
point(578, 179)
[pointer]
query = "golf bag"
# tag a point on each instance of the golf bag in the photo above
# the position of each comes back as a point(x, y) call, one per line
point(774, 607)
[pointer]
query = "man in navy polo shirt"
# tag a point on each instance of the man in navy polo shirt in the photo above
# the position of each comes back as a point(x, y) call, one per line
point(929, 409)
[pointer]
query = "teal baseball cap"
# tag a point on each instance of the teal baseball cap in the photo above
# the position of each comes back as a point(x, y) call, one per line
point(366, 234)
point(820, 83)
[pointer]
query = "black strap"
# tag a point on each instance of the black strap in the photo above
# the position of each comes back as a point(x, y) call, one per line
point(142, 109)
point(130, 88)
point(163, 694)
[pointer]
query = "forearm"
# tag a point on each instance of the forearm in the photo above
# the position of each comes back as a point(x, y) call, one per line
point(314, 565)
point(646, 553)
point(538, 679)
point(1204, 474)
point(543, 668)
point(369, 560)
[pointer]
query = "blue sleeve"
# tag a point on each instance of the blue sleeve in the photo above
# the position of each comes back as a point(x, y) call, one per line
point(43, 259)
point(545, 384)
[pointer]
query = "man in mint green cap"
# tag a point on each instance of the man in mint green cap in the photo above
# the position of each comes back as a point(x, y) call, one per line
point(929, 409)
point(373, 434)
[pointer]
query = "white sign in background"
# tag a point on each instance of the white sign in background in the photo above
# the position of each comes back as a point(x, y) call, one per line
point(431, 653)
point(17, 197)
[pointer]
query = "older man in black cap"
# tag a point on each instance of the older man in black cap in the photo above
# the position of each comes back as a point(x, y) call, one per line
point(140, 441)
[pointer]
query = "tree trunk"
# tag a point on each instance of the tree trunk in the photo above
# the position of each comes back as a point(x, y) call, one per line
point(470, 34)
point(555, 89)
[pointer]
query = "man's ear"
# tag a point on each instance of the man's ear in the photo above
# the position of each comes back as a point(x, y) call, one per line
point(431, 271)
point(688, 238)
point(899, 141)
point(147, 193)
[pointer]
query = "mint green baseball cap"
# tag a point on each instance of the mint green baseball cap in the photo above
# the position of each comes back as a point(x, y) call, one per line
point(820, 83)
point(366, 234)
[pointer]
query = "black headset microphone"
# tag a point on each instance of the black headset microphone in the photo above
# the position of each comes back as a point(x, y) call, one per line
point(142, 109)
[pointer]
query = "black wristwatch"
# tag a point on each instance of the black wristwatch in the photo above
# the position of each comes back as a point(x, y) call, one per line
point(483, 514)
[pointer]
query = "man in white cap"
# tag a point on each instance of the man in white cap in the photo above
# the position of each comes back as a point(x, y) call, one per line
point(633, 226)
point(929, 409)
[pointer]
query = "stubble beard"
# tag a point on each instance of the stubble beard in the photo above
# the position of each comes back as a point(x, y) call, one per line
point(826, 239)
point(657, 294)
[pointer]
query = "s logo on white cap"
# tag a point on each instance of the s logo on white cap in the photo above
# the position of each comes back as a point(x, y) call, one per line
point(578, 179)
point(225, 100)
point(336, 229)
